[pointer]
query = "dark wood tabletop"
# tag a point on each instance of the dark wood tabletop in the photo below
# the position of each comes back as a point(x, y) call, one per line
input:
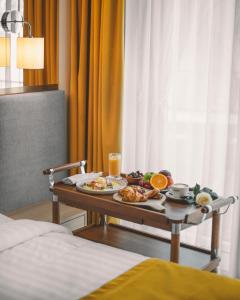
point(105, 204)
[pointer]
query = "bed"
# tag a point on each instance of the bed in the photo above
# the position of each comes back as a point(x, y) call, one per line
point(4, 219)
point(40, 260)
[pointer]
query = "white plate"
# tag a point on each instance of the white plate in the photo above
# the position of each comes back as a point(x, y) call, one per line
point(121, 185)
point(170, 195)
point(153, 203)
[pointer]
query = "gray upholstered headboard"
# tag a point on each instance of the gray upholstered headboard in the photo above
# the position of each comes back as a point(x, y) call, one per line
point(32, 137)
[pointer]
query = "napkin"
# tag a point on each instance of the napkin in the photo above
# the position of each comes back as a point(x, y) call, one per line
point(81, 178)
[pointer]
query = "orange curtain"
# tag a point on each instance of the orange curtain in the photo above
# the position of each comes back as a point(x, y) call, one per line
point(96, 69)
point(43, 16)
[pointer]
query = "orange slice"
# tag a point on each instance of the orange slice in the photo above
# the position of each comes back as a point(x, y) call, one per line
point(159, 181)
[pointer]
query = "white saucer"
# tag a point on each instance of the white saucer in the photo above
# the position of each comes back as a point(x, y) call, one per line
point(170, 196)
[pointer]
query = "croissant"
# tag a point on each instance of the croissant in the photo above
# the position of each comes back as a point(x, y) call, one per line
point(153, 194)
point(129, 196)
point(124, 192)
point(139, 189)
point(137, 194)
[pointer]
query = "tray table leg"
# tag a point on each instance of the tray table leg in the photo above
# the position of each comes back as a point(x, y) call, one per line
point(103, 220)
point(175, 242)
point(215, 236)
point(55, 210)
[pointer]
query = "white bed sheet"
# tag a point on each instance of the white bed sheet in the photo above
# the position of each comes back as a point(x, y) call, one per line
point(41, 260)
point(4, 219)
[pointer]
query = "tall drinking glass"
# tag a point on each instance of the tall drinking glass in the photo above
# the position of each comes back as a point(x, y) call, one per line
point(114, 163)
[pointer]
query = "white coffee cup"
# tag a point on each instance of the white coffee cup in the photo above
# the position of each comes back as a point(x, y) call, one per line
point(179, 190)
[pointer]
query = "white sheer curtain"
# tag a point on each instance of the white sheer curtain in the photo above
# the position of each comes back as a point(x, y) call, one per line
point(182, 101)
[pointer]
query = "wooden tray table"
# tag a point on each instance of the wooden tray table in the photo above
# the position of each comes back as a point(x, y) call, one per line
point(174, 219)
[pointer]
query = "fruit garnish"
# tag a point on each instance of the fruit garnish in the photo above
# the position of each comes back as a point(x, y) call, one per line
point(148, 175)
point(170, 181)
point(147, 185)
point(165, 172)
point(159, 181)
point(136, 174)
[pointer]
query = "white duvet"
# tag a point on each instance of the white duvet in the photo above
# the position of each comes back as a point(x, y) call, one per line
point(40, 260)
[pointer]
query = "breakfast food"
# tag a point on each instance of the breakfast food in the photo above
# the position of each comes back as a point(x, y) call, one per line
point(130, 194)
point(99, 183)
point(145, 184)
point(145, 181)
point(170, 181)
point(153, 194)
point(136, 174)
point(148, 175)
point(168, 175)
point(138, 194)
point(134, 177)
point(159, 181)
point(151, 180)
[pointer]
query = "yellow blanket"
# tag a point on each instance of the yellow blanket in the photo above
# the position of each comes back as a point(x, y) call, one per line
point(158, 279)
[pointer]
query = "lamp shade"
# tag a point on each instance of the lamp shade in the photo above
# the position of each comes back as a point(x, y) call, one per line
point(30, 53)
point(4, 52)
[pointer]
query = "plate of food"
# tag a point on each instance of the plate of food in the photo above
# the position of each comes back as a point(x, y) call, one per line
point(102, 185)
point(138, 196)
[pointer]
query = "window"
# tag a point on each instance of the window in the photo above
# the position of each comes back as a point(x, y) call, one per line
point(11, 76)
point(181, 107)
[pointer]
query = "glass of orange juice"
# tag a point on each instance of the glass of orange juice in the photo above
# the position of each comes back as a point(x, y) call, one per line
point(114, 163)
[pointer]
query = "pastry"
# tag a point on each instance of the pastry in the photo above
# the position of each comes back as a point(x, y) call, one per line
point(153, 194)
point(138, 194)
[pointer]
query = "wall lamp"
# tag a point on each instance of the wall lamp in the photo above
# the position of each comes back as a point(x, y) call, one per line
point(30, 50)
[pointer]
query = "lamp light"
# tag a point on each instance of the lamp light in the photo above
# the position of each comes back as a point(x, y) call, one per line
point(5, 52)
point(30, 50)
point(30, 53)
